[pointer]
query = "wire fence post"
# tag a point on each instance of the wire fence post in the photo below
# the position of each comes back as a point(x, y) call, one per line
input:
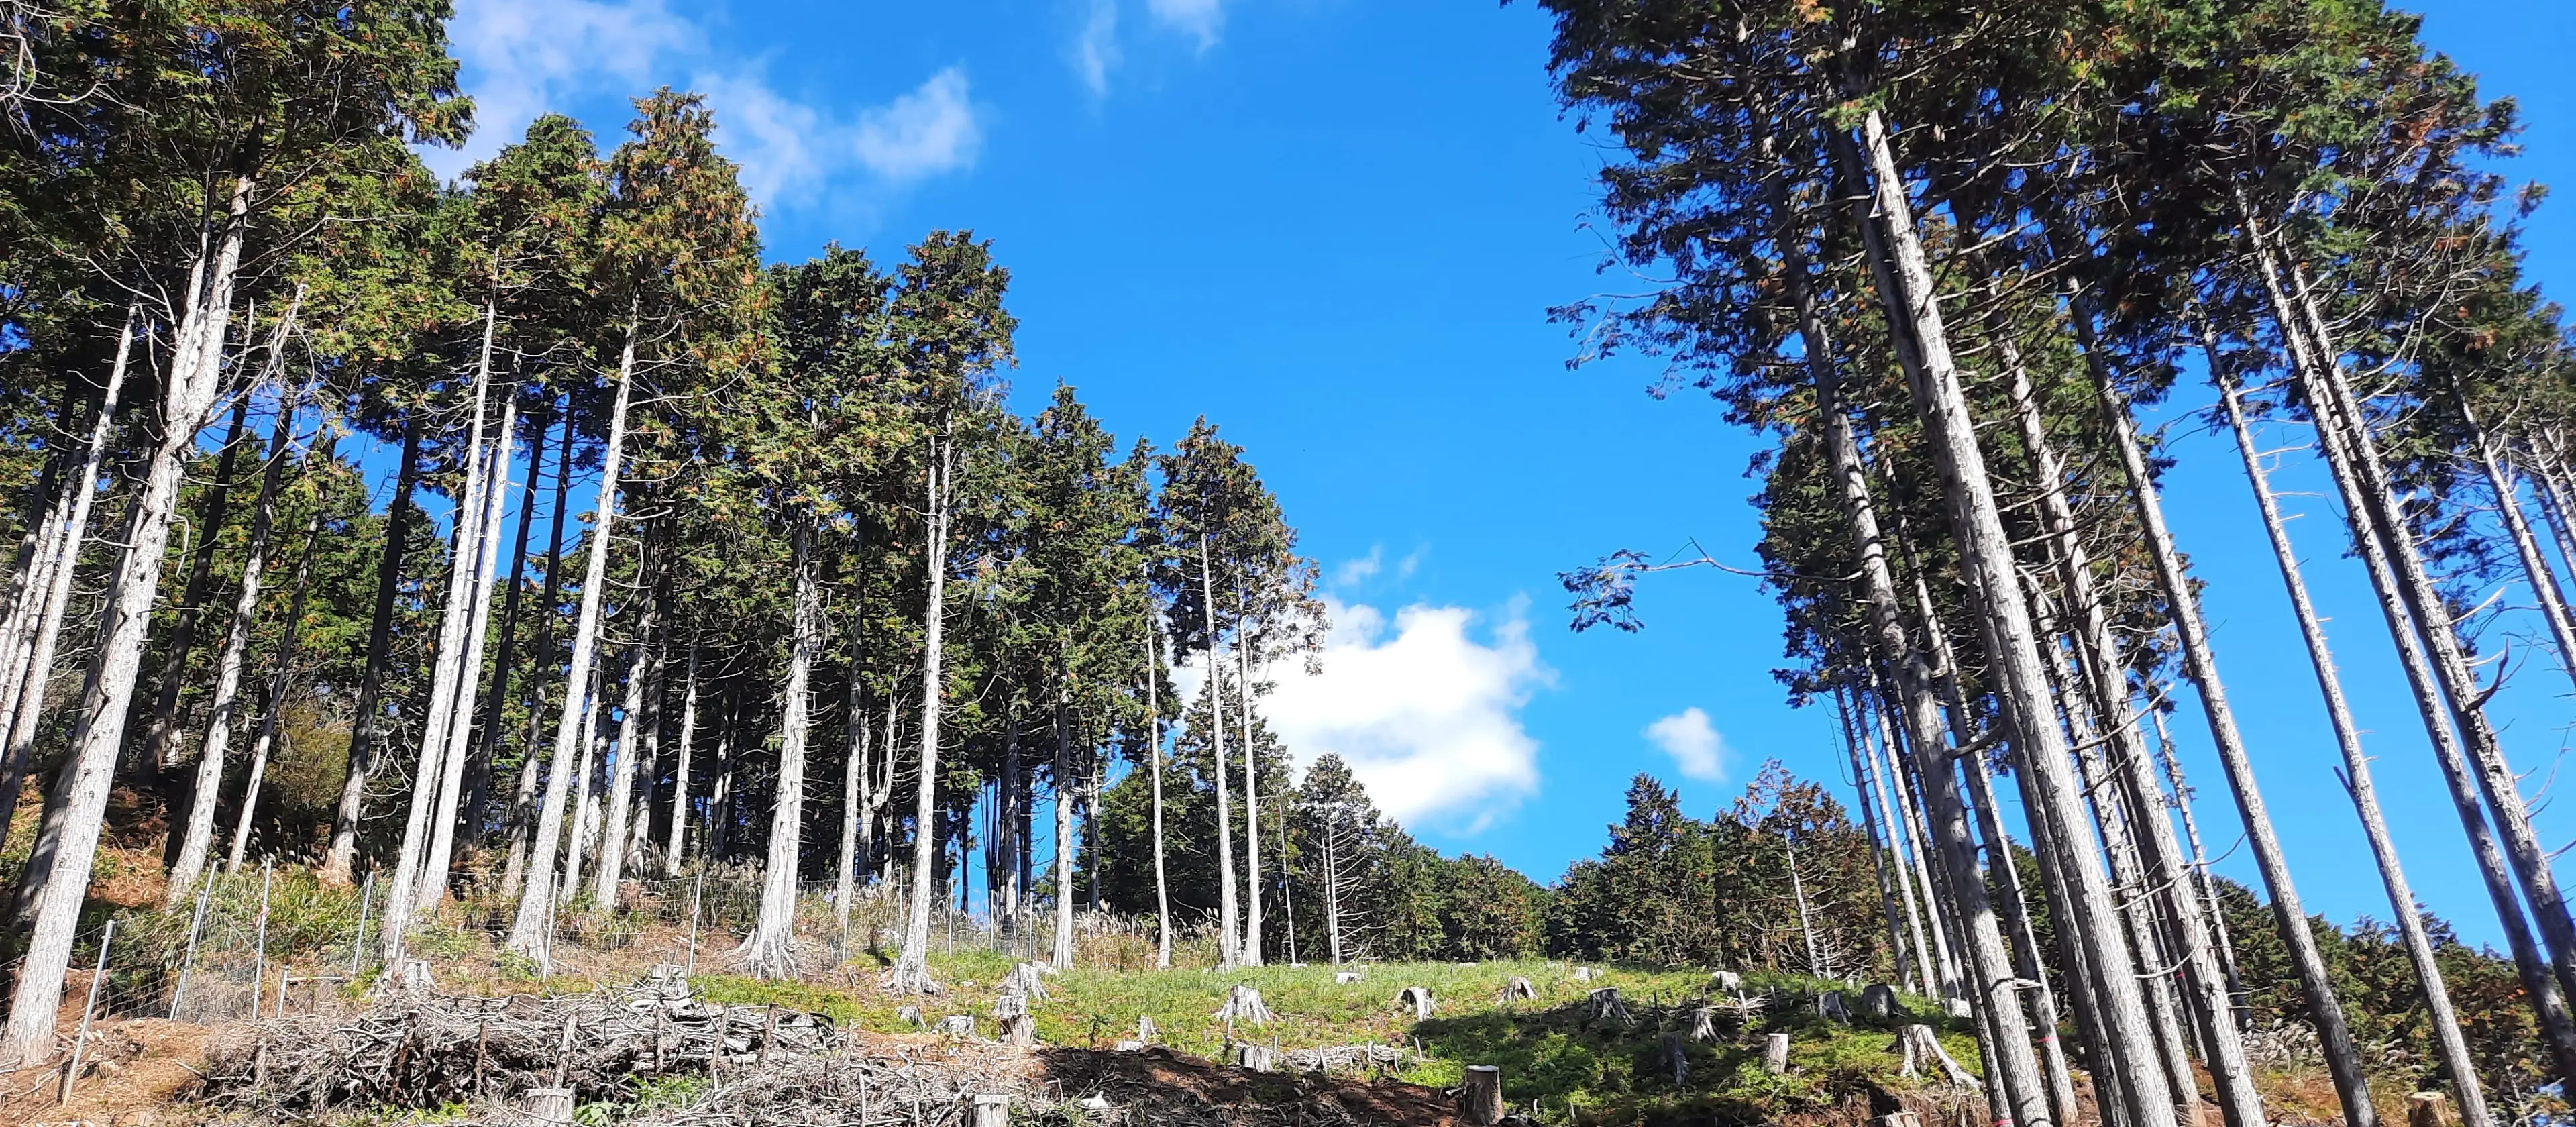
point(259, 964)
point(196, 924)
point(358, 941)
point(697, 897)
point(88, 1008)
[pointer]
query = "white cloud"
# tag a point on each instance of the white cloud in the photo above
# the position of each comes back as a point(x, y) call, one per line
point(527, 57)
point(1361, 569)
point(1698, 751)
point(771, 137)
point(929, 130)
point(524, 57)
point(1427, 716)
point(1204, 19)
point(1095, 48)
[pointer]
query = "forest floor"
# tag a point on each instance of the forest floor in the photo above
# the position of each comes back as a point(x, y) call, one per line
point(1559, 1065)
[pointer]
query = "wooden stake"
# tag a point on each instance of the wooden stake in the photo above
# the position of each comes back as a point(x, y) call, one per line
point(81, 1043)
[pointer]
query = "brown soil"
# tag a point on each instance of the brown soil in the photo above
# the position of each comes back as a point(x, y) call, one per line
point(134, 1074)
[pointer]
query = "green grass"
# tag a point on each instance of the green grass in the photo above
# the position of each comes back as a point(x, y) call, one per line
point(1550, 1056)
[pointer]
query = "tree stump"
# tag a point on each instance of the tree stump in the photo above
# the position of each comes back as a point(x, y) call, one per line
point(1243, 1003)
point(992, 1111)
point(1345, 977)
point(1583, 974)
point(958, 1025)
point(1416, 998)
point(1020, 1030)
point(1252, 1056)
point(1703, 1023)
point(549, 1105)
point(1775, 1054)
point(1480, 1100)
point(1831, 1006)
point(1677, 1057)
point(1604, 1006)
point(1026, 978)
point(2428, 1109)
point(1878, 1002)
point(1519, 990)
point(1145, 1029)
point(1922, 1048)
point(1726, 982)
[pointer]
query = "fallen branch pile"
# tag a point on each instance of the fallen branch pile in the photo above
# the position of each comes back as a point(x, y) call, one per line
point(429, 1050)
point(1332, 1058)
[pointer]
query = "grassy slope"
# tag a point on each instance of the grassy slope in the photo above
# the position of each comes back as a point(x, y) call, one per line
point(1548, 1054)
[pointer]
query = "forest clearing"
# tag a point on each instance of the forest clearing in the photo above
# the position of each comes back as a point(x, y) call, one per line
point(489, 638)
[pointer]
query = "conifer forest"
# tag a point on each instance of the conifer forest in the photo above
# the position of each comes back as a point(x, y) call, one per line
point(507, 568)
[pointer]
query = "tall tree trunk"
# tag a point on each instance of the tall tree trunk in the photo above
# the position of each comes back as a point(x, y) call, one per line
point(2447, 1040)
point(49, 591)
point(49, 503)
point(770, 951)
point(196, 377)
point(1062, 956)
point(203, 795)
point(720, 798)
point(2088, 913)
point(494, 496)
point(212, 508)
point(854, 766)
point(1154, 768)
point(1939, 963)
point(2503, 482)
point(429, 770)
point(1005, 859)
point(368, 713)
point(2099, 658)
point(1874, 776)
point(1864, 779)
point(2027, 958)
point(585, 801)
point(523, 804)
point(478, 783)
point(912, 968)
point(2325, 1010)
point(2353, 456)
point(2113, 820)
point(679, 841)
point(618, 829)
point(1228, 938)
point(529, 929)
point(1243, 646)
point(280, 674)
point(1992, 970)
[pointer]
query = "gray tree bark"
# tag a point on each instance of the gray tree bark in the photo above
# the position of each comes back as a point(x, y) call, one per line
point(197, 839)
point(770, 950)
point(367, 712)
point(194, 383)
point(2447, 1039)
point(529, 929)
point(1896, 254)
point(912, 967)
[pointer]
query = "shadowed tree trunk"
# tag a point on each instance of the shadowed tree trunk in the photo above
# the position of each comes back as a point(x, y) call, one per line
point(368, 712)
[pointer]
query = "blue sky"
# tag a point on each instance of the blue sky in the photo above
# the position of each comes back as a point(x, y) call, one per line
point(1333, 228)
